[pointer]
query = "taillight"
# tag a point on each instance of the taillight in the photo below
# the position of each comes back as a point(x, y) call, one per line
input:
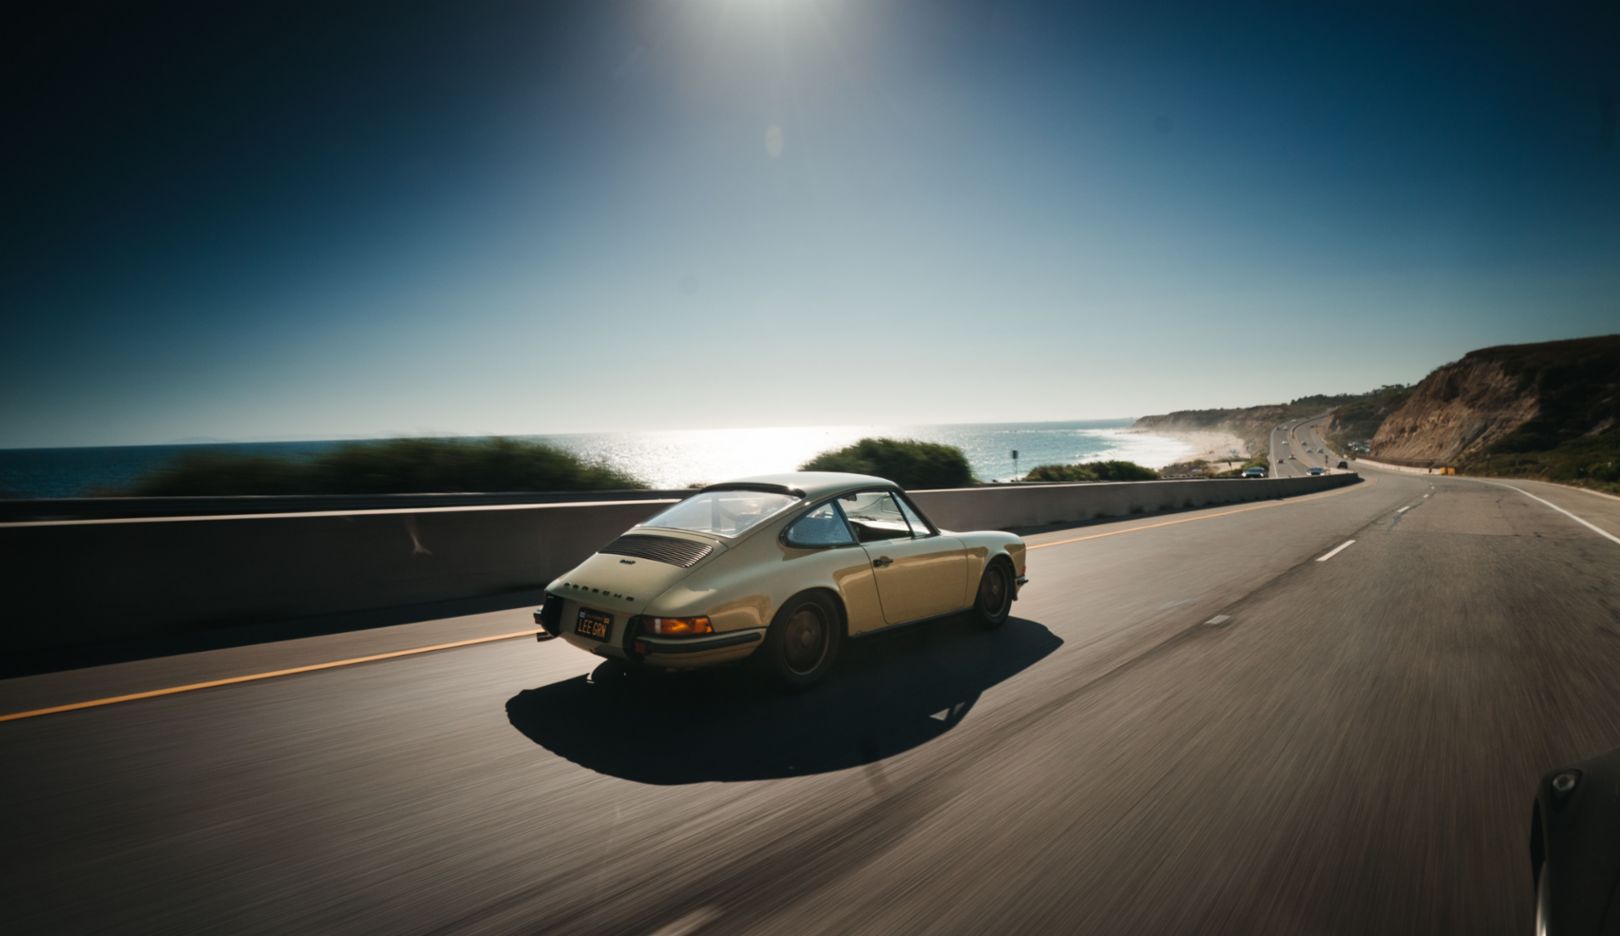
point(677, 627)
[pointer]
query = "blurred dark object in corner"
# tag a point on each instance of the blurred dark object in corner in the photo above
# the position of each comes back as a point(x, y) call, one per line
point(1575, 849)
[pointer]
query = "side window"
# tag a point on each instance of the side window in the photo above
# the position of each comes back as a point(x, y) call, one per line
point(823, 526)
point(875, 516)
point(919, 526)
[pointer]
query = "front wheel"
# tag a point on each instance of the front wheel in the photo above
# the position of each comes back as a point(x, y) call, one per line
point(994, 603)
point(802, 643)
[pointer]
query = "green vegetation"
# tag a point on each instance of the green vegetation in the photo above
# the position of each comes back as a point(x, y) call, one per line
point(1198, 468)
point(1203, 468)
point(1093, 471)
point(906, 462)
point(1359, 419)
point(392, 466)
point(1589, 462)
point(1575, 435)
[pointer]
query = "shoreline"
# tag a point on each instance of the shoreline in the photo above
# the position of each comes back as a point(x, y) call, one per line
point(671, 459)
point(1212, 445)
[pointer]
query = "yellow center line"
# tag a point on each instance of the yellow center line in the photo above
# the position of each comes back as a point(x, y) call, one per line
point(397, 654)
point(1212, 516)
point(255, 677)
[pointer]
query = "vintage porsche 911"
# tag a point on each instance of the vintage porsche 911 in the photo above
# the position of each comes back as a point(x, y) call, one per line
point(779, 570)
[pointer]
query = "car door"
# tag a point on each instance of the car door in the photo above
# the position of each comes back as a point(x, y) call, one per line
point(919, 572)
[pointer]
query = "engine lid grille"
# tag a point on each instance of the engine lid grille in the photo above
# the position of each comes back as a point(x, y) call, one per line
point(666, 549)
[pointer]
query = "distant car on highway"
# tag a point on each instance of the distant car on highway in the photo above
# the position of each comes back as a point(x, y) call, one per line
point(1343, 464)
point(778, 570)
point(1254, 472)
point(1317, 469)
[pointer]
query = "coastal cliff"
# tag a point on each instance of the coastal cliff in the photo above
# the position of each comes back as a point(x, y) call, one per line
point(1459, 410)
point(1252, 424)
point(1549, 410)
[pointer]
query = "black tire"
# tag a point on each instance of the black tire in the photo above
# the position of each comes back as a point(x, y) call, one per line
point(801, 647)
point(993, 603)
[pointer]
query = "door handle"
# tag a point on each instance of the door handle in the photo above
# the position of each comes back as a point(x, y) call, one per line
point(881, 562)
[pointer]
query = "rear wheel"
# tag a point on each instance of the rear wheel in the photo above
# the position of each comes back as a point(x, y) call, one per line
point(994, 602)
point(802, 643)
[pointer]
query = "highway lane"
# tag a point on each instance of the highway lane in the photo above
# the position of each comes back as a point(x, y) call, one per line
point(1351, 747)
point(1300, 445)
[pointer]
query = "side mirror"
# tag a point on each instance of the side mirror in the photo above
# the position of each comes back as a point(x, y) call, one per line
point(1574, 851)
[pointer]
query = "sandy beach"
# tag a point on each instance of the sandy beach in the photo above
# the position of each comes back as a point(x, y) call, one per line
point(1207, 444)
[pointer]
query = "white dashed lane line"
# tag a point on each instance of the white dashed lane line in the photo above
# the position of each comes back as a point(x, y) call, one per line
point(1334, 551)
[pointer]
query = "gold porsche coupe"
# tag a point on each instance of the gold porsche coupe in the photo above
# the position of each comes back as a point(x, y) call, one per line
point(779, 570)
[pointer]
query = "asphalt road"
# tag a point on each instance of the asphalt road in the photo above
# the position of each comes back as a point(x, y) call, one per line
point(1192, 725)
point(1299, 446)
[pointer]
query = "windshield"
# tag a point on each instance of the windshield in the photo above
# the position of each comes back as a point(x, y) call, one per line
point(722, 513)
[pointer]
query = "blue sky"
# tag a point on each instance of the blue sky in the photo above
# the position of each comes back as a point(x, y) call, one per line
point(518, 218)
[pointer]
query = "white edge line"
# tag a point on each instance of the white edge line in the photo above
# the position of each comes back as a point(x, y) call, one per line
point(1334, 551)
point(1571, 487)
point(1590, 526)
point(1404, 509)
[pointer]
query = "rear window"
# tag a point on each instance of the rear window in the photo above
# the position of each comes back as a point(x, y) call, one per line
point(723, 513)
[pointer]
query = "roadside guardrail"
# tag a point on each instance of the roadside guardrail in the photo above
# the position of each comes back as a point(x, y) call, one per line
point(83, 580)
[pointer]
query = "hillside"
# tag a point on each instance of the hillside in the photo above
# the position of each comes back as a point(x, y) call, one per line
point(1359, 420)
point(1252, 424)
point(1547, 410)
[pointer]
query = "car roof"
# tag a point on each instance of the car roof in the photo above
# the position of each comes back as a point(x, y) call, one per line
point(805, 483)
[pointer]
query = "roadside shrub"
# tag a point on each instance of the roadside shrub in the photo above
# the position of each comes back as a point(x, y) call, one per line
point(1057, 473)
point(906, 462)
point(1093, 471)
point(1590, 461)
point(391, 466)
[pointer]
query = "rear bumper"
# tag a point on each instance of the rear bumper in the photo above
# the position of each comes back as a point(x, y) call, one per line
point(696, 652)
point(657, 652)
point(659, 646)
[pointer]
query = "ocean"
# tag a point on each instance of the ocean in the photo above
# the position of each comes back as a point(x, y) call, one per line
point(664, 459)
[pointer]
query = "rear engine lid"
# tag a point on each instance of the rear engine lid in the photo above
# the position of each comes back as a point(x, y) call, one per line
point(634, 569)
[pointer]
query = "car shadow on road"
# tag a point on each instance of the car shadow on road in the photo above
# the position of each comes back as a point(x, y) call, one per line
point(893, 692)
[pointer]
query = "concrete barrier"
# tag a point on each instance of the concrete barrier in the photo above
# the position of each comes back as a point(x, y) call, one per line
point(1403, 469)
point(88, 581)
point(1020, 506)
point(91, 581)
